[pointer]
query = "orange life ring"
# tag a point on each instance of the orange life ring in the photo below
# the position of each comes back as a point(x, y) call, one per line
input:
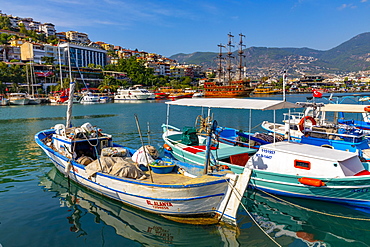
point(301, 123)
point(367, 108)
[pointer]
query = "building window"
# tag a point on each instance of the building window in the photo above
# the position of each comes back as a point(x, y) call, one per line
point(301, 164)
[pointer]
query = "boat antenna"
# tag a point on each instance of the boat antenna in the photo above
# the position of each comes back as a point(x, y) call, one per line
point(60, 67)
point(211, 130)
point(142, 144)
point(284, 82)
point(71, 92)
point(241, 56)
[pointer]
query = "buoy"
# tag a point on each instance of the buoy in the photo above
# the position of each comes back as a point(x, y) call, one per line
point(311, 181)
point(301, 123)
point(167, 147)
point(367, 108)
point(68, 168)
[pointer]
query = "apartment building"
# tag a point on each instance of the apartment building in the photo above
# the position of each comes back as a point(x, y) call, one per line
point(159, 68)
point(77, 37)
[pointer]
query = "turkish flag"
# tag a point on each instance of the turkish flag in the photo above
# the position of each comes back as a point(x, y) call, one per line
point(316, 94)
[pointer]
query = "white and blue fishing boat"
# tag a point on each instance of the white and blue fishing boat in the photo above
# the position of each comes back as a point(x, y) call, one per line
point(170, 188)
point(290, 168)
point(315, 127)
point(189, 144)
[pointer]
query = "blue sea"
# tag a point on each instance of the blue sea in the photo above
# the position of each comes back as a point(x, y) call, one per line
point(40, 207)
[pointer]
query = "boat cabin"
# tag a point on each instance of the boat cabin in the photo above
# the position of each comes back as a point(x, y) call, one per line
point(298, 159)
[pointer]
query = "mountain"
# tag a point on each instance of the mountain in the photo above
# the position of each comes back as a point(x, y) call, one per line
point(352, 55)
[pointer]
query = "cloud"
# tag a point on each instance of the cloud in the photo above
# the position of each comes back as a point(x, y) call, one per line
point(363, 1)
point(347, 6)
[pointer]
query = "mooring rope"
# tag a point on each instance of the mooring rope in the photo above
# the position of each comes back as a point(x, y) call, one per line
point(312, 210)
point(239, 196)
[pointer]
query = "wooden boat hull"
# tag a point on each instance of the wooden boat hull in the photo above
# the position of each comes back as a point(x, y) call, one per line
point(200, 197)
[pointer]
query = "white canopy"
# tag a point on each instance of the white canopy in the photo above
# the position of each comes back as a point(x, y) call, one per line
point(344, 108)
point(254, 104)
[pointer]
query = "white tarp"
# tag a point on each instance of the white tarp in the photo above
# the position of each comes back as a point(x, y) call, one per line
point(254, 104)
point(344, 108)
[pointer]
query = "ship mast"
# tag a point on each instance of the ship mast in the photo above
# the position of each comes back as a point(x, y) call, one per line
point(229, 56)
point(220, 70)
point(241, 56)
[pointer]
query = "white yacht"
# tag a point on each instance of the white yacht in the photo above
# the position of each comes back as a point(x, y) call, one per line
point(18, 99)
point(133, 93)
point(89, 98)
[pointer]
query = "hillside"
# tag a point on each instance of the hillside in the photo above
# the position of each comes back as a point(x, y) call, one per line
point(352, 55)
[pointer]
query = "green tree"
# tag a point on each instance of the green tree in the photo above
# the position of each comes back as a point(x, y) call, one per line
point(5, 23)
point(109, 83)
point(48, 60)
point(135, 70)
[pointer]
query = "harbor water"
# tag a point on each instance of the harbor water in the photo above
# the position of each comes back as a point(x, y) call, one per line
point(40, 207)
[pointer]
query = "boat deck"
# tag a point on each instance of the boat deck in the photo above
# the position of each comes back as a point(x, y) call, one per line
point(180, 179)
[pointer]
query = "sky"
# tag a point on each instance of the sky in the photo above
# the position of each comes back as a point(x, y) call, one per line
point(184, 26)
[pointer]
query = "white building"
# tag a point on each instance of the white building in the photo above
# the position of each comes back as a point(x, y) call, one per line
point(83, 55)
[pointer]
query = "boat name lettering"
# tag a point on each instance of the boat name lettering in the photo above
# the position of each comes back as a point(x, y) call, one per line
point(264, 156)
point(159, 205)
point(360, 190)
point(268, 151)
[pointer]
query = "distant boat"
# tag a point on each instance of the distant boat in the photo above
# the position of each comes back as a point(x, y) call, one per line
point(264, 90)
point(18, 99)
point(3, 100)
point(89, 98)
point(34, 100)
point(133, 93)
point(228, 87)
point(231, 90)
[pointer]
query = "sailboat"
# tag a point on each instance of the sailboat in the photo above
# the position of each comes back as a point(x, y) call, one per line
point(33, 100)
point(228, 87)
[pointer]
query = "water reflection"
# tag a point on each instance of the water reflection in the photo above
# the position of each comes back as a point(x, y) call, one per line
point(315, 224)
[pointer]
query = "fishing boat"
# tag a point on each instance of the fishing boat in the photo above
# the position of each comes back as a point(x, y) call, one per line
point(313, 127)
point(291, 168)
point(18, 99)
point(310, 172)
point(130, 223)
point(137, 92)
point(176, 190)
point(188, 144)
point(229, 87)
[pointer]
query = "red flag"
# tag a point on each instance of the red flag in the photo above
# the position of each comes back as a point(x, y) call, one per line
point(316, 94)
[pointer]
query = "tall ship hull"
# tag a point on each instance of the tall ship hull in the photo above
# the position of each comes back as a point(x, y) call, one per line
point(234, 89)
